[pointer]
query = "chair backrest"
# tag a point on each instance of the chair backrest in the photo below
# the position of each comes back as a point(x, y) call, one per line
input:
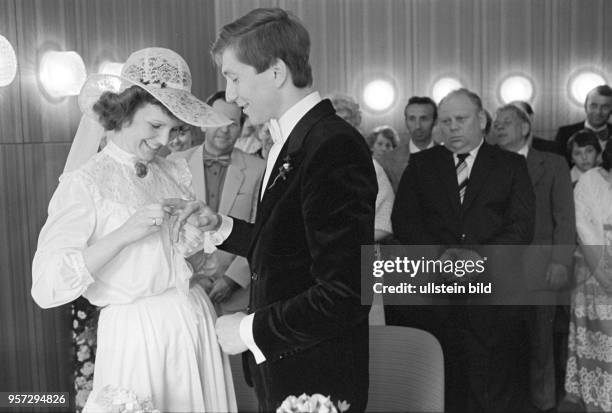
point(406, 371)
point(245, 395)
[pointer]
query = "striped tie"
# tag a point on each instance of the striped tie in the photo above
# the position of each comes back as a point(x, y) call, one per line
point(462, 174)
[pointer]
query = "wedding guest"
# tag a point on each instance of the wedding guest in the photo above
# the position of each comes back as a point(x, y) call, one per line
point(547, 262)
point(248, 141)
point(597, 108)
point(347, 108)
point(589, 368)
point(468, 193)
point(584, 150)
point(382, 139)
point(420, 116)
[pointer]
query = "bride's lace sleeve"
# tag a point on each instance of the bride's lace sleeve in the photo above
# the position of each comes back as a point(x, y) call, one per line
point(58, 271)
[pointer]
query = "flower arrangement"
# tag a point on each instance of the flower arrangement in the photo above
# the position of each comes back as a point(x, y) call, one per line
point(120, 400)
point(317, 403)
point(283, 170)
point(84, 330)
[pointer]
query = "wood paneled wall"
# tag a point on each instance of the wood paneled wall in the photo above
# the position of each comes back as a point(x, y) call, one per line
point(415, 42)
point(35, 136)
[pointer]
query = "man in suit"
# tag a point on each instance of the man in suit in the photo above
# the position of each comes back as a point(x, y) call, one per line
point(228, 180)
point(598, 107)
point(469, 193)
point(420, 115)
point(537, 143)
point(547, 263)
point(306, 331)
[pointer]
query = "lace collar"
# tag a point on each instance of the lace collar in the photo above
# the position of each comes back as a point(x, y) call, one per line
point(119, 154)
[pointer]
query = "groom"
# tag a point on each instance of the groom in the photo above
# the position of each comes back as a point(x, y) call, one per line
point(306, 331)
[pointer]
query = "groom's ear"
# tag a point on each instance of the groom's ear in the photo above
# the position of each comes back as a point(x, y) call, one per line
point(280, 72)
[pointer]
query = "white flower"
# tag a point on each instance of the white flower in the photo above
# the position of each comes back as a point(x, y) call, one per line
point(80, 382)
point(317, 403)
point(87, 369)
point(84, 353)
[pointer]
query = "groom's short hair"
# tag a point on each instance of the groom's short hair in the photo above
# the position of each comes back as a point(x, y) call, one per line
point(264, 35)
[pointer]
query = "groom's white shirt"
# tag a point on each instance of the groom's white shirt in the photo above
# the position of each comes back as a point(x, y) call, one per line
point(286, 123)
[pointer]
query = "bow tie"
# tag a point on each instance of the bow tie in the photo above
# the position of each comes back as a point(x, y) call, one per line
point(222, 160)
point(602, 135)
point(275, 131)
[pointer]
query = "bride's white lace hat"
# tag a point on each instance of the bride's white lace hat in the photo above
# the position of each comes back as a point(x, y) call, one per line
point(162, 73)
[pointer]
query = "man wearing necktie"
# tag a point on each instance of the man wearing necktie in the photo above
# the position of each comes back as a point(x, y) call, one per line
point(460, 199)
point(306, 330)
point(228, 180)
point(598, 107)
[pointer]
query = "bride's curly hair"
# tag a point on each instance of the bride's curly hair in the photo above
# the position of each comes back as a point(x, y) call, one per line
point(116, 110)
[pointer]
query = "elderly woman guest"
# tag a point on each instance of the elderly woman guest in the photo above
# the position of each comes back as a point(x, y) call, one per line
point(107, 238)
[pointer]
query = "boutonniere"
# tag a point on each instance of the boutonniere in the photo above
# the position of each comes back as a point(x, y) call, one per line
point(283, 170)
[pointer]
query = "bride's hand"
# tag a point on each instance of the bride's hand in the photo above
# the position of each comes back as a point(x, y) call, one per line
point(144, 222)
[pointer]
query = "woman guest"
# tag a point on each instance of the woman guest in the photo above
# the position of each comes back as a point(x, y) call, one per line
point(107, 238)
point(584, 150)
point(589, 365)
point(382, 139)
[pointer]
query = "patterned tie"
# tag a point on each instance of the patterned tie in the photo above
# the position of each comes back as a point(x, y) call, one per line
point(222, 160)
point(462, 174)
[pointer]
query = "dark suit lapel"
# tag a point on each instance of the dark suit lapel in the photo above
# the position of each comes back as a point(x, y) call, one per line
point(448, 176)
point(290, 154)
point(483, 163)
point(535, 165)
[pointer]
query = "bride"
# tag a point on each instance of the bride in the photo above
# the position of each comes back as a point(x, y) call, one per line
point(107, 238)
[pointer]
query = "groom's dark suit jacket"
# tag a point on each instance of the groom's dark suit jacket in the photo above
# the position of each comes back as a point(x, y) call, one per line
point(304, 255)
point(482, 345)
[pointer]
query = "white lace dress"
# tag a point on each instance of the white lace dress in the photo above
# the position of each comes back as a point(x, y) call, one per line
point(156, 337)
point(589, 365)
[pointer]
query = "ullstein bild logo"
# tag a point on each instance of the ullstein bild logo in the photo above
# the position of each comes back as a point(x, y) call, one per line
point(460, 275)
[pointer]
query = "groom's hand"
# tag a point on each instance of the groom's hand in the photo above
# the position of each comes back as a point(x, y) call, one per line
point(196, 212)
point(228, 333)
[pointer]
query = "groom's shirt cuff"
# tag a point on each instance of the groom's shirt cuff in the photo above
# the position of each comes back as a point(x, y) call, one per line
point(246, 334)
point(225, 229)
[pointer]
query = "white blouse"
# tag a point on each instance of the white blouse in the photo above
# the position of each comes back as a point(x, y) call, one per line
point(593, 196)
point(384, 200)
point(93, 201)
